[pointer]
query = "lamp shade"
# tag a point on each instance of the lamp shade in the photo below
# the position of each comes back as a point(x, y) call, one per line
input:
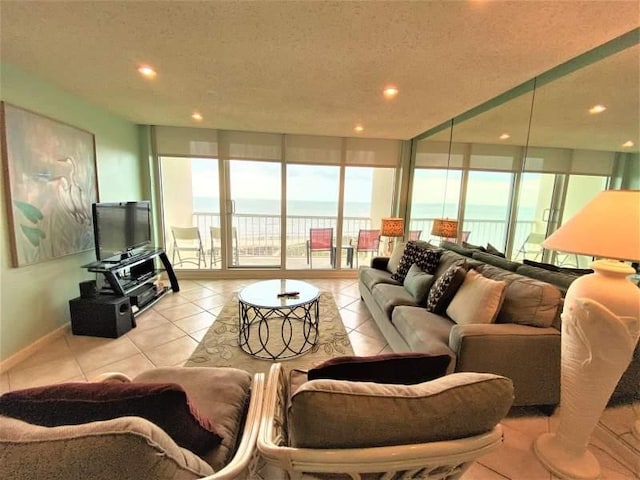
point(392, 227)
point(443, 227)
point(608, 226)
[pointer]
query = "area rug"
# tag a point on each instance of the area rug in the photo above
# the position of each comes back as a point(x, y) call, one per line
point(219, 347)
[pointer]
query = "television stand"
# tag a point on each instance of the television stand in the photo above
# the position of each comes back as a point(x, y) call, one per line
point(127, 288)
point(132, 272)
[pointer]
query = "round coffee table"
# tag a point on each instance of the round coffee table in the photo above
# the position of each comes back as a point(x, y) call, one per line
point(272, 327)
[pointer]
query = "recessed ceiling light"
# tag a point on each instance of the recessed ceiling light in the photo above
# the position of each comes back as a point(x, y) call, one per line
point(597, 109)
point(390, 92)
point(358, 128)
point(147, 71)
point(197, 116)
point(504, 136)
point(628, 144)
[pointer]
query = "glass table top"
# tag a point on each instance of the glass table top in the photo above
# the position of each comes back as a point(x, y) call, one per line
point(265, 293)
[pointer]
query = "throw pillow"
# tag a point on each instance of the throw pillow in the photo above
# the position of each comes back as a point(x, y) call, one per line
point(396, 256)
point(417, 283)
point(478, 300)
point(494, 251)
point(392, 368)
point(164, 404)
point(426, 258)
point(444, 288)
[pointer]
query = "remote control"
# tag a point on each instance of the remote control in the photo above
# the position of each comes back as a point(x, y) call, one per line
point(288, 294)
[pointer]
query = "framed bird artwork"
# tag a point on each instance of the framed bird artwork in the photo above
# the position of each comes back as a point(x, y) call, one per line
point(50, 184)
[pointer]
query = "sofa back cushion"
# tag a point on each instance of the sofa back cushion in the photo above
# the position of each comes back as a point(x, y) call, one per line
point(449, 258)
point(496, 260)
point(526, 301)
point(127, 448)
point(343, 414)
point(560, 280)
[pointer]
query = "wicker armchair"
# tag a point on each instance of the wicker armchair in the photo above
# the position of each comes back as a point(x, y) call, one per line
point(131, 447)
point(445, 459)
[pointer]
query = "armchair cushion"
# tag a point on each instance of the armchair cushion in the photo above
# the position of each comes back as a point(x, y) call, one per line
point(396, 368)
point(166, 405)
point(126, 448)
point(220, 394)
point(343, 414)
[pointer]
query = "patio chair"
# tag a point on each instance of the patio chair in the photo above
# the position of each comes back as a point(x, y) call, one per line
point(415, 234)
point(368, 241)
point(463, 238)
point(123, 438)
point(215, 234)
point(186, 240)
point(358, 428)
point(532, 245)
point(320, 240)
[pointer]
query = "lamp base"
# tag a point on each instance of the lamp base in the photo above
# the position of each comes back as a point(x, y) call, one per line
point(600, 328)
point(563, 463)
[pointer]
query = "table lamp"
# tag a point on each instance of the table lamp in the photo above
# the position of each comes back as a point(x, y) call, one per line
point(391, 227)
point(445, 228)
point(600, 325)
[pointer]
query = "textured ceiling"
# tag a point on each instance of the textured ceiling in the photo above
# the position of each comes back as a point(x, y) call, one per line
point(314, 67)
point(560, 116)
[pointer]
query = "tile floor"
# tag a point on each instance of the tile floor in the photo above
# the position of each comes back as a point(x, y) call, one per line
point(167, 334)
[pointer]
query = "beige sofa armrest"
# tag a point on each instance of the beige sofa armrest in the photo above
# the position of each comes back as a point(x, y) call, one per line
point(529, 356)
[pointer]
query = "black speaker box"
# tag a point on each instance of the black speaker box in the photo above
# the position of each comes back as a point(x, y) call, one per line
point(88, 289)
point(101, 316)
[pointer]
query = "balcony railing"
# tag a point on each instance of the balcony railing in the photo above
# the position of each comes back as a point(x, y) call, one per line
point(259, 235)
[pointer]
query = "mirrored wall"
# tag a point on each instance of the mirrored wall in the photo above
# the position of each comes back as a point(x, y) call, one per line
point(512, 170)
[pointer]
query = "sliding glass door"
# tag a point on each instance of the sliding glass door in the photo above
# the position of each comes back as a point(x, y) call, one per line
point(253, 232)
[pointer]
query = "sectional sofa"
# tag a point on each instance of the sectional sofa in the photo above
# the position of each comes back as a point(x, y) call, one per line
point(522, 340)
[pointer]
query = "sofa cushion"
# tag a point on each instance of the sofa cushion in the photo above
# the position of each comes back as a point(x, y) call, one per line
point(164, 404)
point(449, 258)
point(390, 296)
point(396, 256)
point(395, 368)
point(527, 301)
point(220, 394)
point(459, 249)
point(494, 251)
point(473, 247)
point(496, 261)
point(423, 331)
point(444, 288)
point(418, 282)
point(127, 448)
point(560, 280)
point(556, 268)
point(370, 277)
point(419, 253)
point(478, 300)
point(342, 414)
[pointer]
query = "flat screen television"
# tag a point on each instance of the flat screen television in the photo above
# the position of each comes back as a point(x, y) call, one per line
point(120, 228)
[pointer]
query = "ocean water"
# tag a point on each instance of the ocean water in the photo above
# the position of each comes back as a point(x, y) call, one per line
point(356, 209)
